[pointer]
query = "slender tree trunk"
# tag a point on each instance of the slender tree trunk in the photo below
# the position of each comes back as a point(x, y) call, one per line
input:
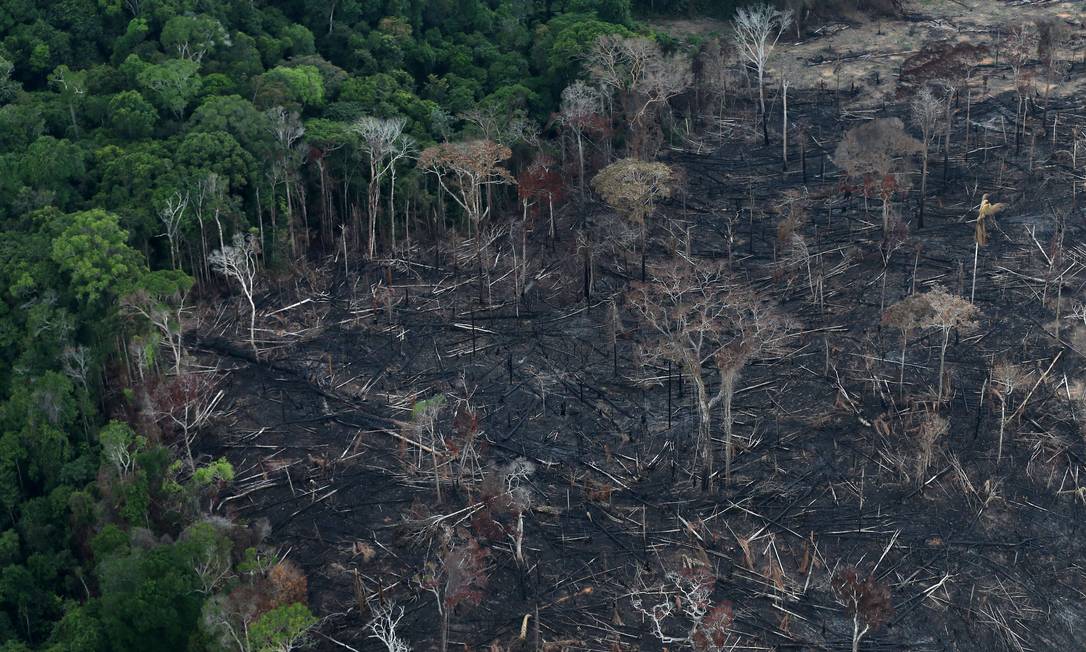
point(1002, 426)
point(729, 389)
point(923, 185)
point(942, 361)
point(784, 128)
point(901, 374)
point(580, 162)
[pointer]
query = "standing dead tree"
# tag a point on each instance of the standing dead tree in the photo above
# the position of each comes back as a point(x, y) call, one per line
point(1007, 377)
point(287, 129)
point(171, 213)
point(947, 312)
point(579, 113)
point(464, 170)
point(631, 187)
point(925, 110)
point(907, 315)
point(877, 153)
point(457, 577)
point(699, 315)
point(384, 143)
point(865, 600)
point(185, 404)
point(1021, 42)
point(757, 30)
point(642, 77)
point(238, 262)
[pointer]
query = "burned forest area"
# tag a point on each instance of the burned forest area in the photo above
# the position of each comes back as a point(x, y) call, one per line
point(744, 401)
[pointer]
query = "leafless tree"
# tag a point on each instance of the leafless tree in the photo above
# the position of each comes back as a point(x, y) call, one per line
point(925, 110)
point(680, 610)
point(238, 262)
point(170, 213)
point(186, 404)
point(757, 30)
point(1007, 377)
point(287, 129)
point(697, 315)
point(167, 314)
point(580, 110)
point(643, 78)
point(1052, 36)
point(1021, 42)
point(464, 169)
point(383, 142)
point(382, 626)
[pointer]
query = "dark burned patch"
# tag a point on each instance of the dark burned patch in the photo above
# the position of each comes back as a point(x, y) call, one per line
point(981, 553)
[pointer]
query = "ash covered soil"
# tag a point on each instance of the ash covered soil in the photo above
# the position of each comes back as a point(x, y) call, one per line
point(551, 425)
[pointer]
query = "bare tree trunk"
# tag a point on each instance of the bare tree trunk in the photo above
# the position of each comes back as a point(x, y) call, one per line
point(923, 185)
point(942, 361)
point(784, 128)
point(728, 379)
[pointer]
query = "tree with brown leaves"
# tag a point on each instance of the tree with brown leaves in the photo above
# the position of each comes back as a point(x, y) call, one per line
point(464, 170)
point(699, 315)
point(875, 151)
point(907, 315)
point(948, 311)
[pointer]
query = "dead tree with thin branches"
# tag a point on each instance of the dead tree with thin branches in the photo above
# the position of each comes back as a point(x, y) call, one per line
point(699, 316)
point(757, 30)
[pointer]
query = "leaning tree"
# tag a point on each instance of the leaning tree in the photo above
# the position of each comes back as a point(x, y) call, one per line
point(699, 316)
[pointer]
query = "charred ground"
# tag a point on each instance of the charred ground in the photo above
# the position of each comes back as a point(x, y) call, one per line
point(978, 555)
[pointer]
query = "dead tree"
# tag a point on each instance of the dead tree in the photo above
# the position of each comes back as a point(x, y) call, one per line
point(631, 187)
point(642, 77)
point(877, 153)
point(948, 312)
point(1007, 377)
point(699, 315)
point(170, 213)
point(1052, 36)
point(907, 315)
point(185, 404)
point(1020, 45)
point(757, 30)
point(866, 601)
point(238, 262)
point(287, 129)
point(384, 144)
point(680, 610)
point(580, 112)
point(925, 110)
point(464, 170)
point(457, 577)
